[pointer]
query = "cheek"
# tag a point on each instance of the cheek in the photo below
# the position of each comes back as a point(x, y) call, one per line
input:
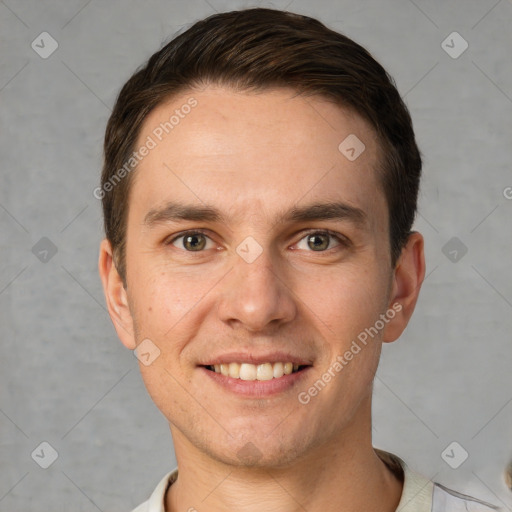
point(164, 298)
point(170, 308)
point(347, 298)
point(162, 386)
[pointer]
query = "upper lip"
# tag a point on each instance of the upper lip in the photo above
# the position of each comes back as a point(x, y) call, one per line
point(253, 358)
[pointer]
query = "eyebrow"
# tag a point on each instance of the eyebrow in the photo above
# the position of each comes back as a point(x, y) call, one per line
point(174, 211)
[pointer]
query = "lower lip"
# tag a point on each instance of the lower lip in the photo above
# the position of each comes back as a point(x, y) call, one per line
point(257, 388)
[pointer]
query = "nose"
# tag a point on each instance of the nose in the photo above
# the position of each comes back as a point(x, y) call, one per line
point(256, 296)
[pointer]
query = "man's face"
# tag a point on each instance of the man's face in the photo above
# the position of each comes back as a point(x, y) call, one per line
point(258, 284)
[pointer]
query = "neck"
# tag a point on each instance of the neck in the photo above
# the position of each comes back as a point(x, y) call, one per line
point(344, 474)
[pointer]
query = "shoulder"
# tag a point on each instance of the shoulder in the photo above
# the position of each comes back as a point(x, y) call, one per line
point(420, 494)
point(143, 507)
point(444, 499)
point(156, 501)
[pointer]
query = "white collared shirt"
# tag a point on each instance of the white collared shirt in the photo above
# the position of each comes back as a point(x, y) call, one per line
point(418, 495)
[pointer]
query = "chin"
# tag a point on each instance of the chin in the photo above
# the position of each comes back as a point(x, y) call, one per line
point(250, 455)
point(250, 449)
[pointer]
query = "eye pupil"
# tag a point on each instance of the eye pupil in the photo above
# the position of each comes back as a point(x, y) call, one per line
point(191, 242)
point(197, 241)
point(322, 245)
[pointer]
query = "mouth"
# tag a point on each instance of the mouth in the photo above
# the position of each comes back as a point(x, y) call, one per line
point(251, 375)
point(257, 381)
point(256, 372)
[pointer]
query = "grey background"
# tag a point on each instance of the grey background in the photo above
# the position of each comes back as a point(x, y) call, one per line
point(65, 377)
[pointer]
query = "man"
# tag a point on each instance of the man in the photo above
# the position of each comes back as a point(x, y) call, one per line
point(259, 188)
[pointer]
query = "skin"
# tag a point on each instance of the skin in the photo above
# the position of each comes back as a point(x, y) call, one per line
point(254, 156)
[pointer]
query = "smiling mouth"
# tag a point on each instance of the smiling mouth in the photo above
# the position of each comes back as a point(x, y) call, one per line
point(248, 371)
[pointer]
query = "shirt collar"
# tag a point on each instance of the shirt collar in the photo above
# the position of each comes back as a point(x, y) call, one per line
point(417, 490)
point(416, 493)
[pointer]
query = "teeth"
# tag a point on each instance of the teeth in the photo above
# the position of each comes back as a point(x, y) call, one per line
point(247, 371)
point(264, 372)
point(278, 370)
point(234, 370)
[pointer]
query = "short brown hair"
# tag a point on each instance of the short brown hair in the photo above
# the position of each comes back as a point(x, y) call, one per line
point(258, 49)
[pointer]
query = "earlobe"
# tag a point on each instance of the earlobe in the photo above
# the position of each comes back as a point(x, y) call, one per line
point(115, 296)
point(407, 280)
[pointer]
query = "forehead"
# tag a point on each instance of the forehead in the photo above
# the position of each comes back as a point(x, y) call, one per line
point(255, 153)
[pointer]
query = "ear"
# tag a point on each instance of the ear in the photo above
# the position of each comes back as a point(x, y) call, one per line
point(408, 277)
point(116, 296)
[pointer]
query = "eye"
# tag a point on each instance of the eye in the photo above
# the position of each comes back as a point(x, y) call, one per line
point(191, 241)
point(320, 241)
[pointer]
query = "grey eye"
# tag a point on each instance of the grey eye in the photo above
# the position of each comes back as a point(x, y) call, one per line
point(193, 241)
point(318, 241)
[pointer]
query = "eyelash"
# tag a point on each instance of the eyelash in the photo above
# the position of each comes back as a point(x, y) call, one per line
point(342, 241)
point(339, 238)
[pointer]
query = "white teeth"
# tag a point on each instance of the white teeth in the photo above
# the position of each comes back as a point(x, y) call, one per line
point(234, 370)
point(278, 370)
point(265, 372)
point(248, 371)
